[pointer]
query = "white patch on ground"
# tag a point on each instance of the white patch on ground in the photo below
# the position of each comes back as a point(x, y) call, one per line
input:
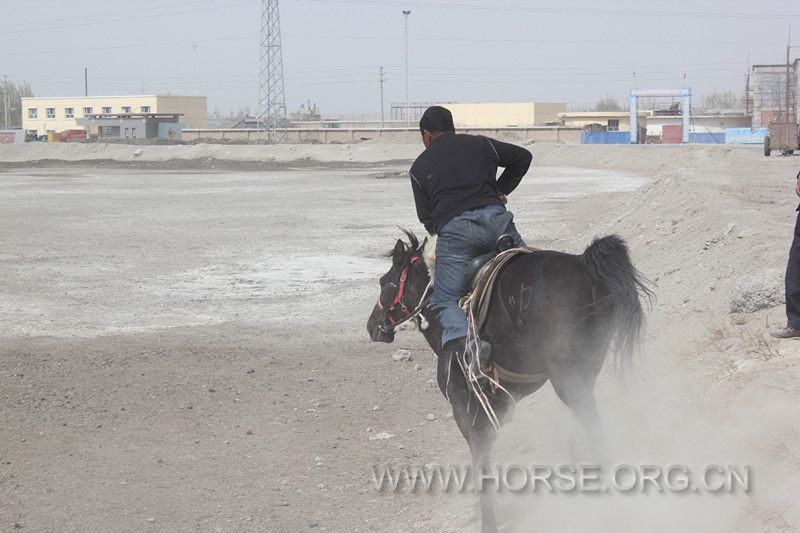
point(272, 277)
point(277, 289)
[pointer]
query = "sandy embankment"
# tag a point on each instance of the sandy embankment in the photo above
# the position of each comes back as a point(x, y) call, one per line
point(198, 155)
point(712, 230)
point(642, 159)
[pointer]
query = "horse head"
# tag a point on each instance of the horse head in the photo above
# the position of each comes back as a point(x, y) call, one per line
point(403, 288)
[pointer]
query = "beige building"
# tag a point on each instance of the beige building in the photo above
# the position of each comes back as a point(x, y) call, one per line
point(612, 120)
point(506, 115)
point(58, 114)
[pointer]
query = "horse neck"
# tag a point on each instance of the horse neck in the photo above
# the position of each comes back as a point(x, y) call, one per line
point(433, 333)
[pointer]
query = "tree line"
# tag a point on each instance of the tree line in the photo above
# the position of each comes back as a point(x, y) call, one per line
point(11, 95)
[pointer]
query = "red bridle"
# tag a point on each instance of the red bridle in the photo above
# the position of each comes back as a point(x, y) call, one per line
point(398, 299)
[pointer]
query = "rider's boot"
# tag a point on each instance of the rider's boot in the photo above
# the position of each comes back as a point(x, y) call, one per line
point(476, 356)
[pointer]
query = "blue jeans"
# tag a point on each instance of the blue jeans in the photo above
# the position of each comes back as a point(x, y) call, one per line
point(462, 239)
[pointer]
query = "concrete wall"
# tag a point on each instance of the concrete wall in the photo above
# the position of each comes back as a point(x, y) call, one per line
point(583, 119)
point(707, 138)
point(170, 130)
point(700, 123)
point(193, 107)
point(12, 136)
point(502, 115)
point(397, 135)
point(745, 136)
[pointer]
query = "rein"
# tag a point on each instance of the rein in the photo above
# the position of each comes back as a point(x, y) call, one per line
point(389, 322)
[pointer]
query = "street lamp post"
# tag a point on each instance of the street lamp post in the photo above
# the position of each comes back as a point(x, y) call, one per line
point(6, 102)
point(406, 13)
point(382, 80)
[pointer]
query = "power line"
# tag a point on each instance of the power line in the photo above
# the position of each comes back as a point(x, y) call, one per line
point(95, 23)
point(442, 70)
point(782, 15)
point(389, 37)
point(360, 36)
point(100, 15)
point(136, 45)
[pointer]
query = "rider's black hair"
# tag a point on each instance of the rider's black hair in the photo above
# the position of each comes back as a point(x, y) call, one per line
point(436, 119)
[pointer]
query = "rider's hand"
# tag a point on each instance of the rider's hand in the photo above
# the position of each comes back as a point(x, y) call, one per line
point(504, 199)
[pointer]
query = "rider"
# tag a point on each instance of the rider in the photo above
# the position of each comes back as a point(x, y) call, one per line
point(459, 197)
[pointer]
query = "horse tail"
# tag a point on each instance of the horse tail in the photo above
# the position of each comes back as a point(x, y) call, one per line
point(608, 265)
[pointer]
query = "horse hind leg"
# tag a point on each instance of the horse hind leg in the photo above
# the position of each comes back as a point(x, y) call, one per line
point(578, 395)
point(480, 442)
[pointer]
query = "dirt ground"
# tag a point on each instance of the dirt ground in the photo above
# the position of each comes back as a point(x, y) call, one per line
point(185, 350)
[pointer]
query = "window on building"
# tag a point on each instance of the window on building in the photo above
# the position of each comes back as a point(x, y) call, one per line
point(51, 112)
point(69, 112)
point(87, 111)
point(126, 109)
point(133, 133)
point(107, 110)
point(613, 125)
point(33, 112)
point(145, 109)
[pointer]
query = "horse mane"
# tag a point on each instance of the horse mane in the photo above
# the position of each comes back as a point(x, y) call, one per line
point(412, 240)
point(411, 247)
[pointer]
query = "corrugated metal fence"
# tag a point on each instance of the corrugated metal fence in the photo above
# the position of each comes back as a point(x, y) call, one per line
point(605, 137)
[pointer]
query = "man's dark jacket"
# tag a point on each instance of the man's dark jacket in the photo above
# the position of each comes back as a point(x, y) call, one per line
point(457, 173)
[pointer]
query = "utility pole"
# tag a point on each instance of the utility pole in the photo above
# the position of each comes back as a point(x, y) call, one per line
point(747, 93)
point(194, 69)
point(747, 89)
point(788, 77)
point(382, 80)
point(85, 81)
point(406, 13)
point(6, 102)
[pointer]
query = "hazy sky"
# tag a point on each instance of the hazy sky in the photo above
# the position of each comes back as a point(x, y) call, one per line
point(460, 50)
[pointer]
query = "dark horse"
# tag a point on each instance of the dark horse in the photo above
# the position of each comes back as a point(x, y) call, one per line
point(553, 316)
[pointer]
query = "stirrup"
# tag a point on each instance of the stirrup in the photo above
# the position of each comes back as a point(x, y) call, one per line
point(478, 353)
point(504, 242)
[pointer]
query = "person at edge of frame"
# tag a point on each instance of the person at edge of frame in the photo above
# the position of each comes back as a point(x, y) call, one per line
point(792, 328)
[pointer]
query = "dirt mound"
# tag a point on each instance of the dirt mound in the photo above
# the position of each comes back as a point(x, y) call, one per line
point(193, 155)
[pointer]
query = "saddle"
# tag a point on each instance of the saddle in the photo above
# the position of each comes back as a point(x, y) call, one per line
point(475, 267)
point(482, 273)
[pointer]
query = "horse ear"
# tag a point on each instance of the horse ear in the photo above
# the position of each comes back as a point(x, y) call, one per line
point(398, 254)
